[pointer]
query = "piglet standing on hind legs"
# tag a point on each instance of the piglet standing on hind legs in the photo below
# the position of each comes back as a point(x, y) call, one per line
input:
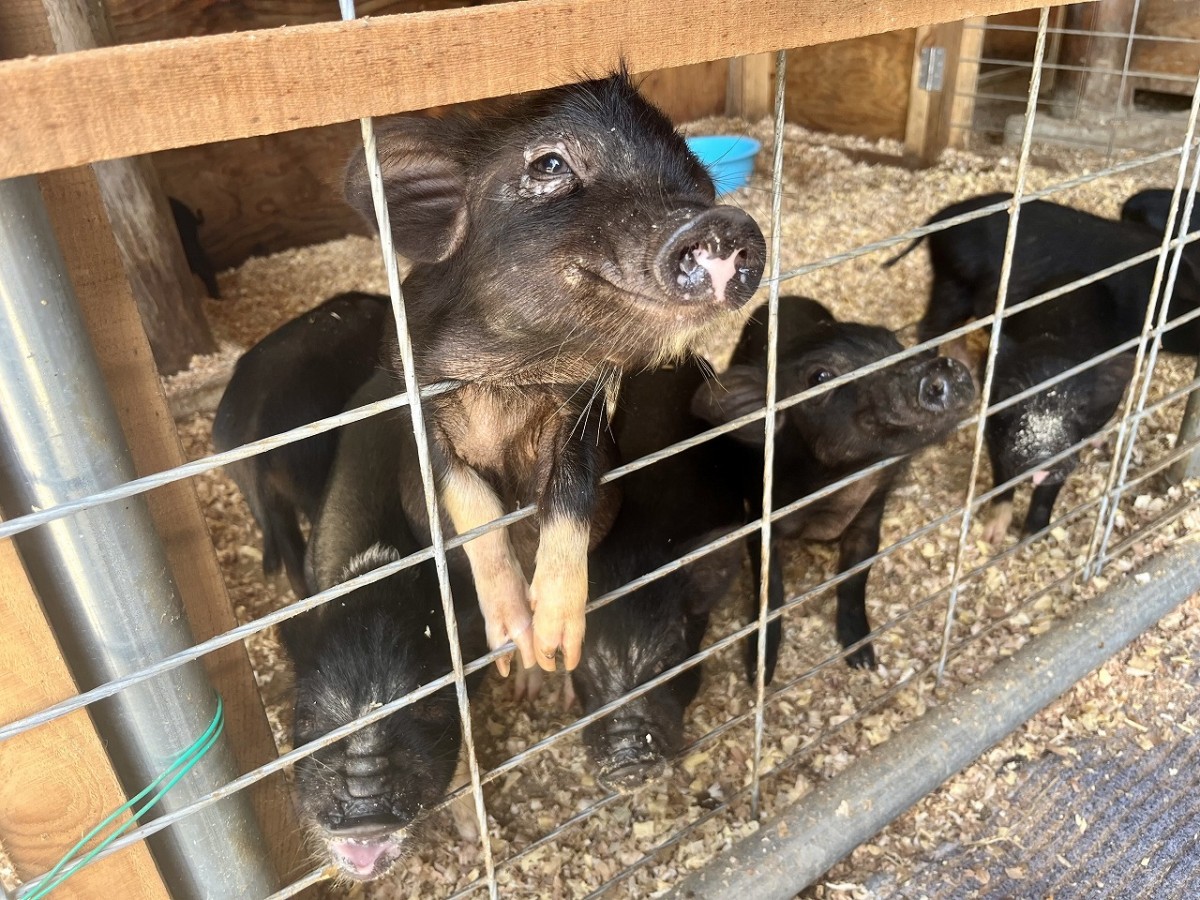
point(554, 246)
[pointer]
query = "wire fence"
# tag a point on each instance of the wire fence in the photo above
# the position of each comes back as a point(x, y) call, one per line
point(1146, 60)
point(1099, 515)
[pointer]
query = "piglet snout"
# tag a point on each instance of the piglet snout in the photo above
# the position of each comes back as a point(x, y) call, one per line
point(716, 256)
point(944, 386)
point(935, 392)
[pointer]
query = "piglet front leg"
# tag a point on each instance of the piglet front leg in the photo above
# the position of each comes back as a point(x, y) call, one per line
point(559, 591)
point(568, 515)
point(499, 582)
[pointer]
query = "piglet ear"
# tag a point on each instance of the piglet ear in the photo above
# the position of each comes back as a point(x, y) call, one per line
point(424, 183)
point(739, 390)
point(798, 319)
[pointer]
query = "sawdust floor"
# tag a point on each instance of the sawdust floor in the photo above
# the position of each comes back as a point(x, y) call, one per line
point(836, 198)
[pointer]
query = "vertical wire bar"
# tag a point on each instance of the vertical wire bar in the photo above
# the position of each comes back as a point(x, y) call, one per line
point(431, 505)
point(1010, 240)
point(1143, 390)
point(764, 586)
point(1106, 513)
point(1137, 5)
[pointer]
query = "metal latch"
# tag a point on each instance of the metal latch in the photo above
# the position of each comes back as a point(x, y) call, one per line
point(933, 69)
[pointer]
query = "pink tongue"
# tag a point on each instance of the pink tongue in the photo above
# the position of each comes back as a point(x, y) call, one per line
point(719, 270)
point(362, 856)
point(1039, 477)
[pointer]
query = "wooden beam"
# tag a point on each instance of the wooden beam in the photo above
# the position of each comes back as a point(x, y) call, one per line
point(141, 218)
point(966, 82)
point(93, 262)
point(56, 781)
point(751, 81)
point(120, 101)
point(930, 112)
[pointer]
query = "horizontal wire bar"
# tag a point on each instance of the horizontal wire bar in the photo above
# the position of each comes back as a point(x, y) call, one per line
point(1093, 70)
point(146, 483)
point(1122, 35)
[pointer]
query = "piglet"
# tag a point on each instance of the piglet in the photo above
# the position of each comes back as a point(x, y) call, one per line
point(305, 370)
point(895, 411)
point(366, 797)
point(668, 509)
point(1037, 345)
point(554, 246)
point(1054, 242)
point(188, 223)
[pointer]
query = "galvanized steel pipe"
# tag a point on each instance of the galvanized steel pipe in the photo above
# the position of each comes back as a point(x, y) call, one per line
point(798, 847)
point(102, 574)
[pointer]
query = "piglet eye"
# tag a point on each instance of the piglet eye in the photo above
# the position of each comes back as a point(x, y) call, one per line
point(550, 164)
point(819, 376)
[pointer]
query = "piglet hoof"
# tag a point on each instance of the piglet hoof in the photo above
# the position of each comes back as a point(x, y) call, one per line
point(462, 810)
point(568, 697)
point(507, 618)
point(527, 683)
point(558, 620)
point(462, 807)
point(995, 529)
point(862, 658)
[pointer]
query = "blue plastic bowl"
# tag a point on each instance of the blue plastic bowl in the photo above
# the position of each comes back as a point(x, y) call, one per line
point(728, 158)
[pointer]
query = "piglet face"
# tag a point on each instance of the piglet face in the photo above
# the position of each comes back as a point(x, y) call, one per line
point(629, 642)
point(893, 411)
point(363, 796)
point(578, 224)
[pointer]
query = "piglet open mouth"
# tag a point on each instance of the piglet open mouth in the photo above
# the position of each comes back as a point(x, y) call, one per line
point(696, 262)
point(366, 859)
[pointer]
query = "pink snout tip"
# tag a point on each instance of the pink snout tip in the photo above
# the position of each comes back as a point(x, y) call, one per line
point(720, 271)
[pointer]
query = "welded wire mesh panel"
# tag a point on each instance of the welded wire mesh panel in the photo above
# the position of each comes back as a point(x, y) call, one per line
point(1115, 79)
point(951, 587)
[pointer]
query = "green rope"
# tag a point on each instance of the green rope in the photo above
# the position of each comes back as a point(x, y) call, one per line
point(183, 764)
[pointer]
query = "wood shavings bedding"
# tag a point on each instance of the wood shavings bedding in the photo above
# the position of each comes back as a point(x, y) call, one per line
point(834, 200)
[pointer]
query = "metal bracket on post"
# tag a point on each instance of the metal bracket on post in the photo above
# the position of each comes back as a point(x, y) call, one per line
point(932, 73)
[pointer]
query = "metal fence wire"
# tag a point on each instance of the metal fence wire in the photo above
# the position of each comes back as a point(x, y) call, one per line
point(1130, 469)
point(1103, 90)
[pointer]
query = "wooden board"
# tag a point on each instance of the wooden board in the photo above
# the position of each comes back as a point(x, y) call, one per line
point(852, 87)
point(750, 93)
point(1174, 19)
point(137, 20)
point(965, 83)
point(1014, 45)
point(56, 781)
point(189, 91)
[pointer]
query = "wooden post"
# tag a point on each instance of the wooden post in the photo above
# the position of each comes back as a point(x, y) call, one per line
point(56, 781)
point(751, 81)
point(76, 211)
point(1077, 90)
point(930, 111)
point(965, 83)
point(141, 218)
